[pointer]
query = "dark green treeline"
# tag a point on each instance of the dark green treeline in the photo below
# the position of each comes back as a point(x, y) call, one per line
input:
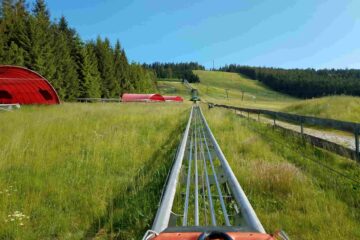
point(176, 70)
point(76, 68)
point(304, 83)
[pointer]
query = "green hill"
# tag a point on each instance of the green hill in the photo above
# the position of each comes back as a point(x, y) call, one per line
point(335, 107)
point(228, 88)
point(238, 90)
point(173, 88)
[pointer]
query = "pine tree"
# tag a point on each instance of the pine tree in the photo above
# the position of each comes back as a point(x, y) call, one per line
point(74, 43)
point(121, 68)
point(14, 32)
point(42, 42)
point(110, 87)
point(65, 76)
point(14, 55)
point(90, 82)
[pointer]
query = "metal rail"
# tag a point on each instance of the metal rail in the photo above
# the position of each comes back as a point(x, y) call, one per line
point(202, 187)
point(164, 211)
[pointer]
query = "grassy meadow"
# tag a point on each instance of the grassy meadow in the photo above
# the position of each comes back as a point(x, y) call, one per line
point(213, 85)
point(336, 107)
point(173, 88)
point(77, 171)
point(257, 95)
point(285, 181)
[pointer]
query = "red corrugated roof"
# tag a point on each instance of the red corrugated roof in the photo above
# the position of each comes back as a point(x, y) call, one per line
point(21, 85)
point(134, 97)
point(173, 98)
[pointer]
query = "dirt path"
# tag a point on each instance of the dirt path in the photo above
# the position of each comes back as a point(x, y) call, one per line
point(346, 141)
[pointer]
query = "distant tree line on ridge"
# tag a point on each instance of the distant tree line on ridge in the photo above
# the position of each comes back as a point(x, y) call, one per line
point(176, 70)
point(303, 83)
point(75, 68)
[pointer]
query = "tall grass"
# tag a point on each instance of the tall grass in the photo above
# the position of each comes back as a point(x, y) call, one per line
point(85, 170)
point(335, 107)
point(286, 181)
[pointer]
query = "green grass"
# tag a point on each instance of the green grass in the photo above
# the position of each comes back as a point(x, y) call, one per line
point(84, 170)
point(78, 171)
point(256, 95)
point(213, 85)
point(335, 107)
point(168, 79)
point(287, 189)
point(174, 88)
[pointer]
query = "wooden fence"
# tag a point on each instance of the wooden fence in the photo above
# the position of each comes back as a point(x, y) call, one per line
point(345, 126)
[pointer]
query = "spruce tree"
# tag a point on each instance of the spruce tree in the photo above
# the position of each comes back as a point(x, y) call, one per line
point(110, 87)
point(14, 33)
point(74, 43)
point(90, 82)
point(65, 77)
point(121, 68)
point(14, 55)
point(42, 42)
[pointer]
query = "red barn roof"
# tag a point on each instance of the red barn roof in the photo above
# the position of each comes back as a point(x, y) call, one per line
point(132, 97)
point(21, 85)
point(173, 98)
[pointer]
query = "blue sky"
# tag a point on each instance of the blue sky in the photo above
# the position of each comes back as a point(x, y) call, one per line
point(279, 33)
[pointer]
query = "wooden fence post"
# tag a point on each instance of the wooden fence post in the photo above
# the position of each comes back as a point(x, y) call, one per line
point(357, 145)
point(274, 121)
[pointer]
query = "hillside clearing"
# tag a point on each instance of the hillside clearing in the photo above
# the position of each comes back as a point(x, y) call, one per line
point(228, 88)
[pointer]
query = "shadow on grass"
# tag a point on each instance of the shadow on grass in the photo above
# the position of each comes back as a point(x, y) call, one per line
point(131, 212)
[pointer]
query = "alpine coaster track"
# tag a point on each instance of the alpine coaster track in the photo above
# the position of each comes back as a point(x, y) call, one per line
point(202, 198)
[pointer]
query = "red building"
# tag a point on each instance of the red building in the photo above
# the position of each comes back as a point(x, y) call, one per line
point(23, 86)
point(132, 97)
point(173, 99)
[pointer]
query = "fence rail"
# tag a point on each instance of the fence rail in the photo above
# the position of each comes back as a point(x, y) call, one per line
point(99, 99)
point(351, 127)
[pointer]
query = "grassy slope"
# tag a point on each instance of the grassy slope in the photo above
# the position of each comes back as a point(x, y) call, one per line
point(81, 170)
point(288, 190)
point(173, 88)
point(335, 107)
point(213, 84)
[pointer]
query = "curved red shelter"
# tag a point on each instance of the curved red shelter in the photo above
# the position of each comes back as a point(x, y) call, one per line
point(173, 99)
point(132, 97)
point(23, 86)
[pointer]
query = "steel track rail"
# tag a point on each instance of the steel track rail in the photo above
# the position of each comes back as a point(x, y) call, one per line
point(205, 172)
point(164, 211)
point(239, 194)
